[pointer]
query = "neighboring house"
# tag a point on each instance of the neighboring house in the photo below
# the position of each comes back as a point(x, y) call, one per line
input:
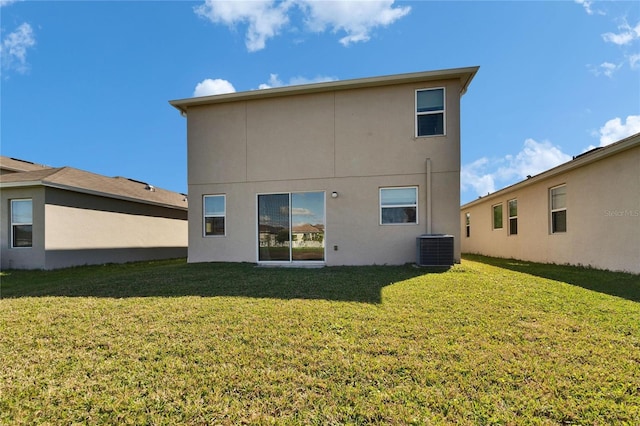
point(14, 165)
point(60, 217)
point(370, 164)
point(583, 212)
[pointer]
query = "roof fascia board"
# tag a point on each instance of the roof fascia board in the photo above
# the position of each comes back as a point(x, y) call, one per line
point(465, 75)
point(86, 191)
point(108, 195)
point(600, 154)
point(22, 184)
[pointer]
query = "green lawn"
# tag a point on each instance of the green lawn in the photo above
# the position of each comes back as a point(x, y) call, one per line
point(486, 342)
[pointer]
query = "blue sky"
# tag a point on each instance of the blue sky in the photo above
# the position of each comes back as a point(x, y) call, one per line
point(86, 84)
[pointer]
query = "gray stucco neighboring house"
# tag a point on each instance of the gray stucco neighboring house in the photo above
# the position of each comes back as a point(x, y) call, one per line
point(60, 217)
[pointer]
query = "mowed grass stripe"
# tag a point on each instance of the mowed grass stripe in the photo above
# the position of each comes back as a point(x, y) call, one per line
point(488, 341)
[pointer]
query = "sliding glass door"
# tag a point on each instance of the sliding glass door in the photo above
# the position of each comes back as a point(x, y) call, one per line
point(273, 227)
point(291, 227)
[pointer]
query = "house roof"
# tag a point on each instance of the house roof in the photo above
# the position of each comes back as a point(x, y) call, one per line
point(14, 165)
point(581, 160)
point(306, 228)
point(465, 75)
point(76, 180)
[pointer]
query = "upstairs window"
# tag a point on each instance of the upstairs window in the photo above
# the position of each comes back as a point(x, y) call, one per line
point(497, 216)
point(513, 217)
point(558, 203)
point(21, 223)
point(398, 205)
point(430, 112)
point(215, 212)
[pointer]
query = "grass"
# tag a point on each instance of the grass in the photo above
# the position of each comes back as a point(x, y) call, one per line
point(489, 341)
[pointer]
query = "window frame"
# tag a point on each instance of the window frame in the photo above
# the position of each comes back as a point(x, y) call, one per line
point(442, 111)
point(14, 224)
point(512, 219)
point(290, 224)
point(205, 216)
point(468, 224)
point(381, 207)
point(553, 211)
point(493, 217)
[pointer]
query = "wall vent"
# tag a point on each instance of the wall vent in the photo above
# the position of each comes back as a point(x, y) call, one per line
point(434, 250)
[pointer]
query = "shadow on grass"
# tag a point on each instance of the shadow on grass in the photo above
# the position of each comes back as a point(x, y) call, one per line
point(176, 278)
point(618, 284)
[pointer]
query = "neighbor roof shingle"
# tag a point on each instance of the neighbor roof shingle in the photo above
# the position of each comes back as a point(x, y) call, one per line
point(81, 181)
point(13, 165)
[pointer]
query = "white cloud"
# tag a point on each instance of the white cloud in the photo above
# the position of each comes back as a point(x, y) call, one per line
point(625, 36)
point(274, 81)
point(634, 61)
point(484, 174)
point(605, 68)
point(615, 130)
point(14, 48)
point(209, 87)
point(534, 158)
point(267, 18)
point(7, 2)
point(299, 211)
point(587, 7)
point(475, 176)
point(355, 18)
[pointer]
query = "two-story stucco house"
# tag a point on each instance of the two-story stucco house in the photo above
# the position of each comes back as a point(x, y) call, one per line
point(367, 165)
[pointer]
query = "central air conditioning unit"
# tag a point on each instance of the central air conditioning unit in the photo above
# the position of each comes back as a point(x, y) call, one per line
point(434, 250)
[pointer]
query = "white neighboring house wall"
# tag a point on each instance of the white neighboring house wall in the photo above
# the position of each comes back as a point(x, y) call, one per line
point(602, 213)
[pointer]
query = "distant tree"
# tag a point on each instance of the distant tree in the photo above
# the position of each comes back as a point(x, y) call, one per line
point(282, 236)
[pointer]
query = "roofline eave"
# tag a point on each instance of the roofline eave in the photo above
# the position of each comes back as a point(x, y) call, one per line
point(27, 184)
point(465, 75)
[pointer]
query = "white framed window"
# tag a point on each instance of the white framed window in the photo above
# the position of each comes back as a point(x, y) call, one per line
point(21, 223)
point(497, 216)
point(215, 213)
point(513, 216)
point(558, 209)
point(430, 119)
point(468, 224)
point(399, 205)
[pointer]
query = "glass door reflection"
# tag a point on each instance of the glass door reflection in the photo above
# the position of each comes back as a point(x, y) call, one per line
point(291, 227)
point(307, 230)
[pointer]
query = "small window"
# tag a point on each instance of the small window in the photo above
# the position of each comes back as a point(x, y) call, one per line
point(430, 112)
point(497, 216)
point(513, 217)
point(21, 223)
point(468, 224)
point(215, 211)
point(398, 205)
point(558, 203)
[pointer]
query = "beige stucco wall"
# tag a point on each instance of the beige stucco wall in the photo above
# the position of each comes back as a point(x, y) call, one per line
point(351, 141)
point(603, 218)
point(73, 229)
